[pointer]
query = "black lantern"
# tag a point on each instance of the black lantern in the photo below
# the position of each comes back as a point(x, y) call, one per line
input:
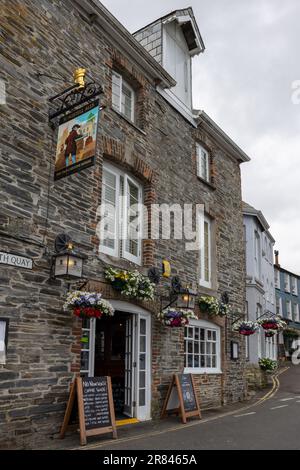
point(186, 298)
point(67, 263)
point(180, 297)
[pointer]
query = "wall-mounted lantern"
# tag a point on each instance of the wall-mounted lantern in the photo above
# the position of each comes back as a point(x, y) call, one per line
point(67, 263)
point(181, 297)
point(3, 339)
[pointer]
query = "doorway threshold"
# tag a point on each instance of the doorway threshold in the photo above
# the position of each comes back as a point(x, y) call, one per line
point(123, 422)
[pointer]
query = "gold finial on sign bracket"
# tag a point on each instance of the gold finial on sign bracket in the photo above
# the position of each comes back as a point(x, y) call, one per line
point(79, 77)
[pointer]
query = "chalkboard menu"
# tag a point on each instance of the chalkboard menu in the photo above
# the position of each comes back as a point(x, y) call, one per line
point(95, 407)
point(181, 398)
point(96, 402)
point(188, 393)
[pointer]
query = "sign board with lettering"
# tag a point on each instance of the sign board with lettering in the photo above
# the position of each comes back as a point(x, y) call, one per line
point(15, 260)
point(95, 407)
point(181, 398)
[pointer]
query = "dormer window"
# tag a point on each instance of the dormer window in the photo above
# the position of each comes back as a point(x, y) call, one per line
point(177, 61)
point(123, 96)
point(203, 163)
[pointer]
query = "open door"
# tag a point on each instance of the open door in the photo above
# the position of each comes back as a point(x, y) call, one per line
point(129, 366)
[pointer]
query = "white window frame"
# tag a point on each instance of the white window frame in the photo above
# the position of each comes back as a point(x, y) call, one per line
point(295, 312)
point(287, 282)
point(199, 150)
point(257, 255)
point(206, 370)
point(202, 219)
point(288, 306)
point(121, 216)
point(294, 286)
point(125, 83)
point(277, 279)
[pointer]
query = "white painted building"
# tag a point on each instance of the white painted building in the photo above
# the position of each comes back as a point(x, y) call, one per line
point(260, 288)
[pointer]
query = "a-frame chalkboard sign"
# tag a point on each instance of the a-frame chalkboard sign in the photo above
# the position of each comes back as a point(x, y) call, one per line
point(181, 398)
point(95, 407)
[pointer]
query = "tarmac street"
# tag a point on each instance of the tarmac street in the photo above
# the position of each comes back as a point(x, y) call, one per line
point(272, 422)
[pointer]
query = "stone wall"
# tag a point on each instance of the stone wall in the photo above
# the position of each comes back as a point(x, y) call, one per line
point(50, 37)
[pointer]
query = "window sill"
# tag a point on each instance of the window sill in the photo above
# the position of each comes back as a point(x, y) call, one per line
point(207, 183)
point(194, 371)
point(131, 123)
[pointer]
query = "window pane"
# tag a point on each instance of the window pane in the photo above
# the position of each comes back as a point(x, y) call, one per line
point(142, 397)
point(127, 101)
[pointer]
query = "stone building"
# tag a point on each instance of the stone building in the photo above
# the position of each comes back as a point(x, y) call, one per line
point(287, 284)
point(260, 288)
point(152, 147)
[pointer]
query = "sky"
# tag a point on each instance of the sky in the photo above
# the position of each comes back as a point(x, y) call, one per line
point(244, 80)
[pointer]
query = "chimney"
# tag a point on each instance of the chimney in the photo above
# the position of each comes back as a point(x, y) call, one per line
point(276, 258)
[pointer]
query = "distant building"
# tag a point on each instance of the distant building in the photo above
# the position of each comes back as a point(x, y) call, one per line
point(260, 288)
point(287, 285)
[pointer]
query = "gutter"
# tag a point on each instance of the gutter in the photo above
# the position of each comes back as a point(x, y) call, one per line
point(100, 16)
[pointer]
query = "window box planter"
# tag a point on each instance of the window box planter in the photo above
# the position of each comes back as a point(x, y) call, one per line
point(176, 318)
point(130, 283)
point(88, 305)
point(213, 306)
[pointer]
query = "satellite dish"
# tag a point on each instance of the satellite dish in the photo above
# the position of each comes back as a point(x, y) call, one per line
point(61, 242)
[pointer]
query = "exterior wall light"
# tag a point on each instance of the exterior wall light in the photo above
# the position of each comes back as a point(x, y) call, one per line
point(67, 263)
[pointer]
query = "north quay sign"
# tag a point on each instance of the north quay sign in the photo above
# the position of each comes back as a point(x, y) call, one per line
point(15, 260)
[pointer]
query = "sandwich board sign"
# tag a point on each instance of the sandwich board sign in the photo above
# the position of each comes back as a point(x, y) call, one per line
point(181, 398)
point(95, 407)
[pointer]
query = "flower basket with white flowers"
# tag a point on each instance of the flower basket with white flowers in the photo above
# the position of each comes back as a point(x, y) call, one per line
point(272, 323)
point(88, 305)
point(213, 306)
point(176, 318)
point(130, 283)
point(246, 327)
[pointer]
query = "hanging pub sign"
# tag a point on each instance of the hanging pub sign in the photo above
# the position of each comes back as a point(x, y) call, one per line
point(75, 115)
point(181, 398)
point(76, 140)
point(95, 407)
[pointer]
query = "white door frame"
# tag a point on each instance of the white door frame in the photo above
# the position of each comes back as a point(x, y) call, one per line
point(141, 413)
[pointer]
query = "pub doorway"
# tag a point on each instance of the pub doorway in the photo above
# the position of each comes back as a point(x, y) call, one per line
point(119, 347)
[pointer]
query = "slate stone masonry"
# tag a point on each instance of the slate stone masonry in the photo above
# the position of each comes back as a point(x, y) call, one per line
point(51, 37)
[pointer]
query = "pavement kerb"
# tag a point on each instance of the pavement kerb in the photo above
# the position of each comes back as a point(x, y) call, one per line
point(266, 397)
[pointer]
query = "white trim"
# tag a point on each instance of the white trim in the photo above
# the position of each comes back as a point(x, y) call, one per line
point(206, 370)
point(121, 225)
point(202, 219)
point(199, 150)
point(121, 83)
point(127, 307)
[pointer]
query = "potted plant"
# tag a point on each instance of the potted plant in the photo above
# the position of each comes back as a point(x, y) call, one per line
point(88, 305)
point(267, 364)
point(213, 306)
point(245, 327)
point(130, 283)
point(175, 318)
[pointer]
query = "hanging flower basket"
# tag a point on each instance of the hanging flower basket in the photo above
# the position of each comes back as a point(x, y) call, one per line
point(213, 306)
point(130, 283)
point(176, 318)
point(88, 305)
point(272, 323)
point(270, 333)
point(245, 327)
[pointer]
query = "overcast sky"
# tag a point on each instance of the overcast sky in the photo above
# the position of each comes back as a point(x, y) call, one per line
point(244, 82)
